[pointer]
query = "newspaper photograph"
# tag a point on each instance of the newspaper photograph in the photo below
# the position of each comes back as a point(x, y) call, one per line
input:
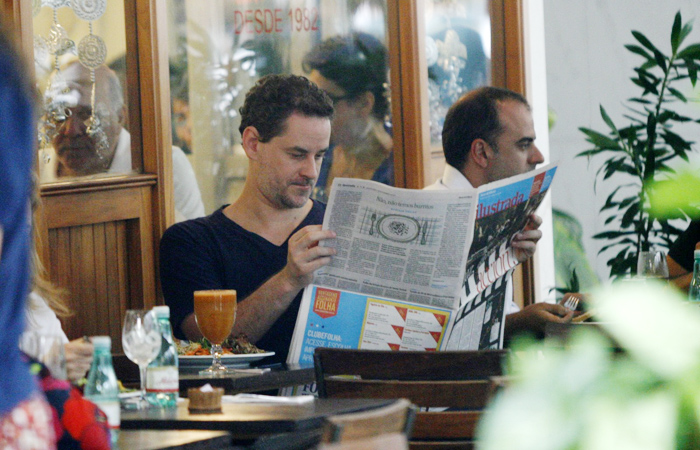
point(396, 243)
point(502, 211)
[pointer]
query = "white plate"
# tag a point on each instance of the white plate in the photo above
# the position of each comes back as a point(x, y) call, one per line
point(203, 361)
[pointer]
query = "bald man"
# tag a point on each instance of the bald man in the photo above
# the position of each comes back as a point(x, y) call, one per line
point(81, 153)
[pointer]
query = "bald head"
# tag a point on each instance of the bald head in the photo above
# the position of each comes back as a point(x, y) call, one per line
point(77, 152)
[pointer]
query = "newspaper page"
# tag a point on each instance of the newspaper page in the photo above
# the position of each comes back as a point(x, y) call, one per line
point(503, 209)
point(343, 319)
point(396, 243)
point(415, 269)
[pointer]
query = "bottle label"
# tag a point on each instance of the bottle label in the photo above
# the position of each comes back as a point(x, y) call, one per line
point(111, 410)
point(162, 379)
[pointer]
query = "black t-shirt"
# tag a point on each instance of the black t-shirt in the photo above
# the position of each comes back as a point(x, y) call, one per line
point(682, 250)
point(214, 252)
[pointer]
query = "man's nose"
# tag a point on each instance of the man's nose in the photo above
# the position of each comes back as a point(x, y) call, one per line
point(73, 126)
point(536, 156)
point(310, 168)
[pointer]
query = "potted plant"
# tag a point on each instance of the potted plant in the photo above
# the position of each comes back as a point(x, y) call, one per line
point(644, 150)
point(630, 382)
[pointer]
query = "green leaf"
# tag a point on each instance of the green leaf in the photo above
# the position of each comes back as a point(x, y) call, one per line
point(676, 193)
point(644, 41)
point(676, 32)
point(607, 119)
point(692, 70)
point(630, 215)
point(692, 51)
point(675, 141)
point(639, 51)
point(687, 28)
point(612, 234)
point(600, 140)
point(660, 60)
point(676, 93)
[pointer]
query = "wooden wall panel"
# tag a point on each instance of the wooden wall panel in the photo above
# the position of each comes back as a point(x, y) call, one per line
point(100, 249)
point(88, 261)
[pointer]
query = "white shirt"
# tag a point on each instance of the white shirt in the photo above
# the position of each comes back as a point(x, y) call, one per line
point(41, 319)
point(454, 179)
point(186, 194)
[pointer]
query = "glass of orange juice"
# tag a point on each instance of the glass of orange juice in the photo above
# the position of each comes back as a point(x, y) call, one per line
point(215, 313)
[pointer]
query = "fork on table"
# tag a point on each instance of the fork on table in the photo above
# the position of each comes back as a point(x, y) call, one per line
point(571, 303)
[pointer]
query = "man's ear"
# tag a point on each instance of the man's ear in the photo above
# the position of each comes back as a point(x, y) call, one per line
point(479, 153)
point(250, 140)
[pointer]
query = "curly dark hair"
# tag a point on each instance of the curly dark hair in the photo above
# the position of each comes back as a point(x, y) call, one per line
point(274, 98)
point(474, 116)
point(357, 63)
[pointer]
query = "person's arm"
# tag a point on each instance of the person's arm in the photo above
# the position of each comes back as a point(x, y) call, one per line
point(534, 318)
point(78, 358)
point(525, 243)
point(678, 275)
point(265, 305)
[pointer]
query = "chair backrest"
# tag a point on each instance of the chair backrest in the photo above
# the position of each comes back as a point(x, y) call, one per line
point(394, 418)
point(389, 441)
point(457, 382)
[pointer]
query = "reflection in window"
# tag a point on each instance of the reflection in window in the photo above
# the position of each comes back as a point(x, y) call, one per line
point(82, 130)
point(458, 52)
point(218, 52)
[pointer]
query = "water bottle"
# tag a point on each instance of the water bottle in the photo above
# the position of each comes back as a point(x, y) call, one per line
point(694, 290)
point(102, 388)
point(162, 384)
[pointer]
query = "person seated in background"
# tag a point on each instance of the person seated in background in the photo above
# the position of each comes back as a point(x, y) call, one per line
point(265, 244)
point(489, 135)
point(81, 152)
point(25, 416)
point(353, 72)
point(44, 307)
point(680, 256)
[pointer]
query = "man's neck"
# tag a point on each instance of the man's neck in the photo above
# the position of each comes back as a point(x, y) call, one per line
point(475, 177)
point(271, 222)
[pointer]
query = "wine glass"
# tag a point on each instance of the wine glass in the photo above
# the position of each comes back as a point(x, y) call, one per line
point(652, 264)
point(141, 340)
point(215, 313)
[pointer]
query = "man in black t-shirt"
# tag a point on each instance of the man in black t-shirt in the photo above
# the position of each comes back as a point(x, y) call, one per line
point(265, 244)
point(680, 256)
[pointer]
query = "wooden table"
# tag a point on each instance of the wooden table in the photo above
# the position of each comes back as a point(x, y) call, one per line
point(172, 440)
point(281, 375)
point(249, 420)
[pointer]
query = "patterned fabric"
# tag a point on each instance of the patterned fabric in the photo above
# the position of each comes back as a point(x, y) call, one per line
point(78, 423)
point(28, 427)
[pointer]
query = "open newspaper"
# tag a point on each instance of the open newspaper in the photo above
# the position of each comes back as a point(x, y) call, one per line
point(415, 269)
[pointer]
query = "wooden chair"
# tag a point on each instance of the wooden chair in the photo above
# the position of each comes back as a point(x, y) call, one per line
point(396, 418)
point(457, 382)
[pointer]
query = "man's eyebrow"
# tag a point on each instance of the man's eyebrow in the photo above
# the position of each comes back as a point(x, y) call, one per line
point(303, 150)
point(525, 140)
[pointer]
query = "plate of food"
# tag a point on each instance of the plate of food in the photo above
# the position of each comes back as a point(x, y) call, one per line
point(238, 353)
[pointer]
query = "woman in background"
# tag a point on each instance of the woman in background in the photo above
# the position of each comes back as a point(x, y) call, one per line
point(25, 418)
point(45, 305)
point(353, 71)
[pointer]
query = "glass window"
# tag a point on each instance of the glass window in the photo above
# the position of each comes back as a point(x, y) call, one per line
point(218, 51)
point(458, 52)
point(79, 49)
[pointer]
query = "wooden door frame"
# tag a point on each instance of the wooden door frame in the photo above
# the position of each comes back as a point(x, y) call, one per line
point(409, 79)
point(148, 90)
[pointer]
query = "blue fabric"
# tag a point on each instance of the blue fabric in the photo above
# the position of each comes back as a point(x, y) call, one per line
point(16, 157)
point(214, 252)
